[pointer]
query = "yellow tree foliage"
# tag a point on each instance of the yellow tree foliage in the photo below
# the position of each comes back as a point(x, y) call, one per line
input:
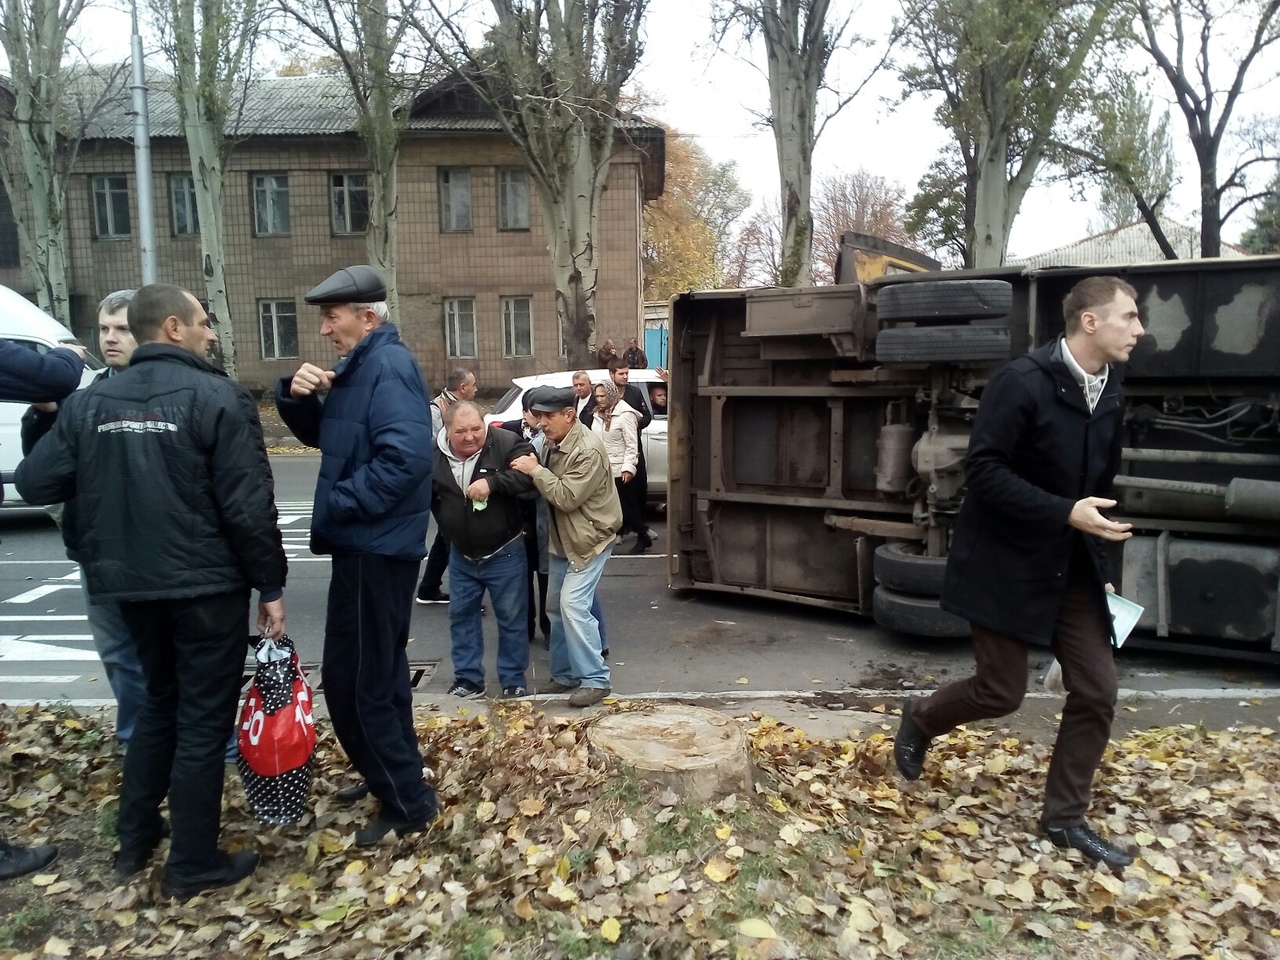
point(686, 230)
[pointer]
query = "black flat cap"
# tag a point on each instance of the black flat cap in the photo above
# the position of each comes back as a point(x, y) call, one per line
point(552, 399)
point(358, 284)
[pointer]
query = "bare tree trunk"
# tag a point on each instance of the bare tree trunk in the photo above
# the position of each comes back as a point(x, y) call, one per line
point(572, 215)
point(381, 240)
point(205, 146)
point(210, 58)
point(991, 205)
point(797, 53)
point(34, 35)
point(1210, 207)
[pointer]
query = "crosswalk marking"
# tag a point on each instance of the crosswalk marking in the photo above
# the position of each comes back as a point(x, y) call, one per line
point(41, 678)
point(42, 591)
point(43, 619)
point(16, 649)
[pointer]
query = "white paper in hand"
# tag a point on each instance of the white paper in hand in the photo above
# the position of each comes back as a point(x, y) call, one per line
point(1124, 616)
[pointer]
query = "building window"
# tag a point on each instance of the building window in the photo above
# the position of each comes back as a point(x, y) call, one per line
point(350, 193)
point(270, 203)
point(460, 326)
point(10, 252)
point(455, 200)
point(182, 201)
point(111, 206)
point(517, 326)
point(278, 322)
point(513, 199)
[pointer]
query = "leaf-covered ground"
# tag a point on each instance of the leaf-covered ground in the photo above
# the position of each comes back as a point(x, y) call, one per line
point(544, 851)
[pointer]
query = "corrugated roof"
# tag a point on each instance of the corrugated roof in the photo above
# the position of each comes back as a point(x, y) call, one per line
point(1132, 243)
point(316, 104)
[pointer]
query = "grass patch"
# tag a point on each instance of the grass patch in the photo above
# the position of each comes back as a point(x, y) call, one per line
point(24, 921)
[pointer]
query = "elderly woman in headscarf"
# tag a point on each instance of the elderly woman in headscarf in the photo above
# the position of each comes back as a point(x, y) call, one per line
point(617, 423)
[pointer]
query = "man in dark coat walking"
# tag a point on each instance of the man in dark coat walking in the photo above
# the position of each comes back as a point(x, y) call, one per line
point(1027, 561)
point(170, 511)
point(371, 419)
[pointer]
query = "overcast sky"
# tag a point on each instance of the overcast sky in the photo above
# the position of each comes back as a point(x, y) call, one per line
point(716, 96)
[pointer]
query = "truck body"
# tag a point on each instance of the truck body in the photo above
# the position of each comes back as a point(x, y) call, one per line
point(818, 435)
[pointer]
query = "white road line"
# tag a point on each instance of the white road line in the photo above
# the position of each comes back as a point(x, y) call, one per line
point(51, 637)
point(42, 591)
point(27, 563)
point(15, 650)
point(45, 619)
point(73, 575)
point(37, 678)
point(283, 520)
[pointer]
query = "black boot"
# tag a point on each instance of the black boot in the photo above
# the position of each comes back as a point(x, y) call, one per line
point(1080, 837)
point(16, 861)
point(910, 745)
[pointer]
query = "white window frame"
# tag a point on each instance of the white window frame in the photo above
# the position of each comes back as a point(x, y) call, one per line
point(455, 318)
point(513, 198)
point(510, 332)
point(271, 312)
point(341, 189)
point(267, 219)
point(108, 188)
point(182, 202)
point(455, 184)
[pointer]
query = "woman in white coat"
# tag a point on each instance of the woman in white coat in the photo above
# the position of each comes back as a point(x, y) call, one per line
point(617, 423)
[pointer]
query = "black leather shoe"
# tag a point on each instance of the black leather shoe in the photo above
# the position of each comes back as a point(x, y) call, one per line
point(126, 863)
point(382, 824)
point(16, 861)
point(1080, 837)
point(352, 794)
point(235, 867)
point(910, 745)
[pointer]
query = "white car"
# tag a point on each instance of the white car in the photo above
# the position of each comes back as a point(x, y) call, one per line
point(25, 324)
point(653, 437)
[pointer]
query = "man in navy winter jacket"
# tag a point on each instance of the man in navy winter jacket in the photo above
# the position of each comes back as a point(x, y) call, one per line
point(27, 375)
point(182, 531)
point(370, 417)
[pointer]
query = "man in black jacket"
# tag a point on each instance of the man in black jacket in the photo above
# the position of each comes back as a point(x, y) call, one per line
point(182, 531)
point(1027, 562)
point(27, 375)
point(478, 508)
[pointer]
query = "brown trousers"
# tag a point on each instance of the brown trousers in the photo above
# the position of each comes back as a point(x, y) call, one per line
point(1082, 644)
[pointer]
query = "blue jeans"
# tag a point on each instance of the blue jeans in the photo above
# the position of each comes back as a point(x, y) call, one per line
point(119, 656)
point(505, 576)
point(575, 631)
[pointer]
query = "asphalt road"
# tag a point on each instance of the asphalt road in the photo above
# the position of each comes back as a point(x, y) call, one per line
point(710, 647)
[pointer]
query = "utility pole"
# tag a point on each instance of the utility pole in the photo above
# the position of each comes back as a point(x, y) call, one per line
point(142, 159)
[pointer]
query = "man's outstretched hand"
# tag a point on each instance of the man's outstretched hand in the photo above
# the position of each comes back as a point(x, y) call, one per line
point(1086, 516)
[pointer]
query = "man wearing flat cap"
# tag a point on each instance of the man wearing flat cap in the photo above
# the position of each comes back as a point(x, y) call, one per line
point(368, 413)
point(574, 478)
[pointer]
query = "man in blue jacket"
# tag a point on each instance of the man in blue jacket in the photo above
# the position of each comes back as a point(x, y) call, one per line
point(369, 416)
point(27, 375)
point(1028, 562)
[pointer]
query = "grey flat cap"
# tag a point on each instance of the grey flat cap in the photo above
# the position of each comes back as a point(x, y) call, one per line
point(358, 284)
point(552, 399)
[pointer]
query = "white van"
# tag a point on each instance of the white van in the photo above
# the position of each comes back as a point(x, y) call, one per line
point(25, 324)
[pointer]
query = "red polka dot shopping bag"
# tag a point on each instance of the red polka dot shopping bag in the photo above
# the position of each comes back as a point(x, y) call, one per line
point(277, 735)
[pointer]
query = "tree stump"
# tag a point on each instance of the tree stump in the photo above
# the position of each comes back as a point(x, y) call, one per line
point(698, 753)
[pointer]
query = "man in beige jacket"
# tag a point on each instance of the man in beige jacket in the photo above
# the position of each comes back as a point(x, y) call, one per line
point(577, 484)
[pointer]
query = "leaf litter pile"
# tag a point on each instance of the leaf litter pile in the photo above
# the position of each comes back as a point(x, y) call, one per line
point(545, 850)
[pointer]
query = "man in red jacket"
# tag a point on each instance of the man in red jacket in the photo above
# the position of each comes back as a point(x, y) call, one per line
point(1027, 562)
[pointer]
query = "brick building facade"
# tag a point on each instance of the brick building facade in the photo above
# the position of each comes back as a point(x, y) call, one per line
point(475, 281)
